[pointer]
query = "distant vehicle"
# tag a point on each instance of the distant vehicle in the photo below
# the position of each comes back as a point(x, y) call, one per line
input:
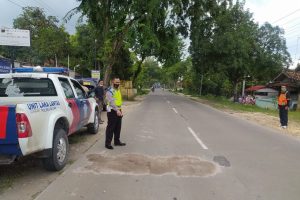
point(152, 88)
point(88, 82)
point(38, 111)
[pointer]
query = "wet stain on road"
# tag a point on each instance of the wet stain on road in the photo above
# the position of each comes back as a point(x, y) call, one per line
point(137, 164)
point(222, 161)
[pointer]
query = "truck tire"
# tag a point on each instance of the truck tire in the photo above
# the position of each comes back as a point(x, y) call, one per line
point(59, 153)
point(94, 127)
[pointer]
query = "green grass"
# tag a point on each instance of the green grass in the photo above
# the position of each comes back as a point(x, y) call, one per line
point(225, 104)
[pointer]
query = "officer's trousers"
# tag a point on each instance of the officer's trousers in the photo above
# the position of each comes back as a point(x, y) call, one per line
point(113, 129)
point(283, 115)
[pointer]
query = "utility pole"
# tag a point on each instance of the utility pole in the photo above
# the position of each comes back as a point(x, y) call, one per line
point(68, 62)
point(244, 84)
point(243, 89)
point(95, 59)
point(55, 60)
point(13, 57)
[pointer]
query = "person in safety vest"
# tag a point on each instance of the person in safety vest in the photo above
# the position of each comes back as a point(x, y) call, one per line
point(283, 106)
point(114, 114)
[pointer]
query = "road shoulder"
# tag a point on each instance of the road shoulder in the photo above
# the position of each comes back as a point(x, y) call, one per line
point(263, 119)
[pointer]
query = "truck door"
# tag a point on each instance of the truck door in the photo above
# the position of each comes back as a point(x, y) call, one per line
point(84, 104)
point(72, 108)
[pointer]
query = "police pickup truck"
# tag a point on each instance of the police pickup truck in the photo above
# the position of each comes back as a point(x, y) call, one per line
point(37, 113)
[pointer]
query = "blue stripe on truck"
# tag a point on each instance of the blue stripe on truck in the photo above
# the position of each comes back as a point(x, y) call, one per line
point(10, 144)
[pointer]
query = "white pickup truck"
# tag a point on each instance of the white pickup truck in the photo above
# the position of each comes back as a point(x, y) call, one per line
point(37, 113)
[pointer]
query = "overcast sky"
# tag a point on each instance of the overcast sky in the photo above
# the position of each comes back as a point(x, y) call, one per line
point(11, 9)
point(284, 13)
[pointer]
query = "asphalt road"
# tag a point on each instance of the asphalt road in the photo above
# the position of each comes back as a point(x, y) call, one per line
point(178, 149)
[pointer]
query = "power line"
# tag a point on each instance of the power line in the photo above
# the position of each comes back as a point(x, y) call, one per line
point(47, 5)
point(288, 22)
point(15, 3)
point(292, 29)
point(290, 33)
point(50, 10)
point(286, 16)
point(43, 5)
point(53, 11)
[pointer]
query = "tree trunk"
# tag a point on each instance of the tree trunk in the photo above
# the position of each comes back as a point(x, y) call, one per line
point(117, 44)
point(139, 69)
point(107, 75)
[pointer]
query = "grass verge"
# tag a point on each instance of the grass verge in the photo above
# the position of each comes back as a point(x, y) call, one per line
point(225, 104)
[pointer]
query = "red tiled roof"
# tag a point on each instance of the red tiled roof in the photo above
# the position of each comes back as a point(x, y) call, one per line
point(254, 88)
point(293, 75)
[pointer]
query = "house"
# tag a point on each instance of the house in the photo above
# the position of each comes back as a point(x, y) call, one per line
point(261, 92)
point(265, 97)
point(291, 79)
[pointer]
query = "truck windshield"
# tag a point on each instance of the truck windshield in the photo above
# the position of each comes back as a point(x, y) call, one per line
point(22, 87)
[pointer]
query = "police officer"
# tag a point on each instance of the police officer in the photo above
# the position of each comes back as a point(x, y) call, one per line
point(114, 114)
point(283, 106)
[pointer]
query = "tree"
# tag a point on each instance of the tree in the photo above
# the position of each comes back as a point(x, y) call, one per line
point(52, 43)
point(114, 19)
point(226, 42)
point(48, 40)
point(150, 74)
point(234, 42)
point(272, 54)
point(123, 65)
point(83, 48)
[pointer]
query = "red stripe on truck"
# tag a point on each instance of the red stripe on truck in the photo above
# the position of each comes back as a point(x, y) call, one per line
point(3, 121)
point(76, 115)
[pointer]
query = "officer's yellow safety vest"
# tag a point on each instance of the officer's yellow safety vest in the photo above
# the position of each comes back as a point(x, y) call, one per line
point(118, 98)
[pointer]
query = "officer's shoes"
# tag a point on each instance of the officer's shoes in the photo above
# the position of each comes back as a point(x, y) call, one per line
point(109, 147)
point(120, 144)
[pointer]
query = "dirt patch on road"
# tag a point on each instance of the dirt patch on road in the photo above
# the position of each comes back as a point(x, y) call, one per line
point(137, 164)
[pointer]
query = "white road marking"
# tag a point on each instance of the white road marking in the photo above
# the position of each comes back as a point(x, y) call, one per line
point(175, 110)
point(197, 138)
point(168, 102)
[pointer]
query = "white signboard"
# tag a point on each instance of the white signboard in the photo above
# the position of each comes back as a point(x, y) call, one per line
point(95, 74)
point(14, 37)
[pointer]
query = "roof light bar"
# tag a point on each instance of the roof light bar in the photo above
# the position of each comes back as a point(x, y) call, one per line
point(52, 70)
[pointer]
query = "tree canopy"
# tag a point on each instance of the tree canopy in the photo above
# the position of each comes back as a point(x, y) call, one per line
point(132, 38)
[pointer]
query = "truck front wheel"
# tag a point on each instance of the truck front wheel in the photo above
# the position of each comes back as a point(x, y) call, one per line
point(59, 153)
point(94, 127)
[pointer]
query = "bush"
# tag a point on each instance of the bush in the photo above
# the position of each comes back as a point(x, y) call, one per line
point(142, 91)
